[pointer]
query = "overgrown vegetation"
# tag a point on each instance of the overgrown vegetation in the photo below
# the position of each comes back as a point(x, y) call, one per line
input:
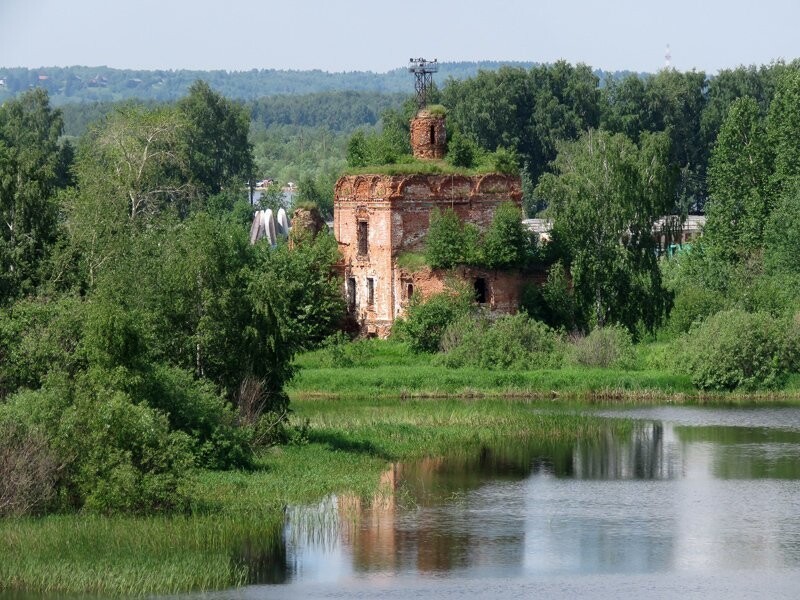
point(141, 336)
point(504, 245)
point(511, 342)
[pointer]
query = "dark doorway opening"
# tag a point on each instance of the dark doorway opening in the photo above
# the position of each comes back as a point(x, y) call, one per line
point(433, 134)
point(480, 290)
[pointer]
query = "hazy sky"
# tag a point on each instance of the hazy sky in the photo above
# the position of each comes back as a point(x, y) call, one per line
point(359, 35)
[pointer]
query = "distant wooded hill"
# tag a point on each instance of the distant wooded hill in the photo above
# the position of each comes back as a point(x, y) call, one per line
point(67, 85)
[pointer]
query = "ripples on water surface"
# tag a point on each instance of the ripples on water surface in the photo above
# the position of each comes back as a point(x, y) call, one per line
point(698, 503)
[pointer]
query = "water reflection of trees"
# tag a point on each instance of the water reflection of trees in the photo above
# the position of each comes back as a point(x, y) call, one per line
point(748, 452)
point(441, 515)
point(264, 558)
point(643, 455)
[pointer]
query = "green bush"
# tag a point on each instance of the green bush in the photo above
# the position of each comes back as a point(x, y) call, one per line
point(609, 346)
point(510, 342)
point(791, 344)
point(194, 407)
point(461, 150)
point(735, 349)
point(553, 303)
point(505, 160)
point(660, 356)
point(426, 321)
point(692, 305)
point(446, 243)
point(116, 455)
point(37, 336)
point(506, 241)
point(124, 458)
point(778, 295)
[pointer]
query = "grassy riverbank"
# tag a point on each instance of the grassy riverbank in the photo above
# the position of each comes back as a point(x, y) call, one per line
point(234, 531)
point(374, 368)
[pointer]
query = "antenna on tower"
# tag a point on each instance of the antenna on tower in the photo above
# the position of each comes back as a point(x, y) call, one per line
point(668, 57)
point(423, 71)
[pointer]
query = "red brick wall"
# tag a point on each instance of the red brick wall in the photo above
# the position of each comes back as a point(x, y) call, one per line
point(503, 288)
point(421, 145)
point(397, 210)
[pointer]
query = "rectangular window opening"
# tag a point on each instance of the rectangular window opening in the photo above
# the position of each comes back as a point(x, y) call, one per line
point(370, 291)
point(351, 295)
point(363, 233)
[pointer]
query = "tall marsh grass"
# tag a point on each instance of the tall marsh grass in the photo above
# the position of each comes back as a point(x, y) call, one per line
point(126, 555)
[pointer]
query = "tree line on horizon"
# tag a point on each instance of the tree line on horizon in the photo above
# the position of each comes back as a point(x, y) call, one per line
point(529, 109)
point(79, 84)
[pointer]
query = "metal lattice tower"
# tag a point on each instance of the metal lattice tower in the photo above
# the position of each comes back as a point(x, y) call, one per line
point(423, 71)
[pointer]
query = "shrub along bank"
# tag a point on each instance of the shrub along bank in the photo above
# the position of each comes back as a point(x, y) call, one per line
point(518, 356)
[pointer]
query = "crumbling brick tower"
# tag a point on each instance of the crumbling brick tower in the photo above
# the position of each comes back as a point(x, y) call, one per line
point(377, 218)
point(428, 134)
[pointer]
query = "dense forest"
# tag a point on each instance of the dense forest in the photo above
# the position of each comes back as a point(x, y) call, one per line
point(142, 335)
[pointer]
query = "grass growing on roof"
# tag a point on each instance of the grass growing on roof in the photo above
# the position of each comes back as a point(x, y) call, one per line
point(412, 261)
point(408, 165)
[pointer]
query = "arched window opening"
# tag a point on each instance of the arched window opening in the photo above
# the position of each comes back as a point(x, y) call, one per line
point(433, 134)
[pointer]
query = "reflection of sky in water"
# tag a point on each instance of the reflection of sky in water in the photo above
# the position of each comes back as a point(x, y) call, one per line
point(694, 502)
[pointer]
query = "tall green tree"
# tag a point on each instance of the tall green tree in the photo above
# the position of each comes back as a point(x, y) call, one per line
point(299, 287)
point(527, 111)
point(130, 171)
point(783, 129)
point(605, 196)
point(32, 168)
point(624, 106)
point(782, 236)
point(675, 104)
point(739, 183)
point(729, 85)
point(218, 151)
point(672, 102)
point(317, 191)
point(505, 243)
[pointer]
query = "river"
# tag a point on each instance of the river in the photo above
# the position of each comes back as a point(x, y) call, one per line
point(691, 503)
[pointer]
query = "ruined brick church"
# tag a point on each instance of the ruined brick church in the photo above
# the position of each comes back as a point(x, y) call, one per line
point(377, 218)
